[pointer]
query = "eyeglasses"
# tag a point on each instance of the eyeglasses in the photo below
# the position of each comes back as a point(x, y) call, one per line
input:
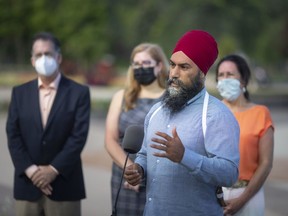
point(144, 64)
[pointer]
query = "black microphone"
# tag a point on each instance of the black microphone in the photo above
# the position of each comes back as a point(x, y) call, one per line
point(133, 138)
point(132, 142)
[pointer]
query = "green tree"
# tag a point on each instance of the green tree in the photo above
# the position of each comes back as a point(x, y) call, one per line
point(90, 29)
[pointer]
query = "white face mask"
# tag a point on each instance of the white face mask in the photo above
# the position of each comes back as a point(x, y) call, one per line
point(229, 89)
point(46, 65)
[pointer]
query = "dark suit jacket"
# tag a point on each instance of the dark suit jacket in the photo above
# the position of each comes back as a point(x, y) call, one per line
point(59, 144)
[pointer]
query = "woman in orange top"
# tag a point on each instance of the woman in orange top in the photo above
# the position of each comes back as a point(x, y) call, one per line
point(246, 196)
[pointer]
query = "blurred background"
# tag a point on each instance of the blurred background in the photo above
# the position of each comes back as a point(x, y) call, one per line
point(97, 38)
point(99, 34)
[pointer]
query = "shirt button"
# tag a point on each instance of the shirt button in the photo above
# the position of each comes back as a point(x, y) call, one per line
point(150, 199)
point(44, 142)
point(168, 126)
point(157, 161)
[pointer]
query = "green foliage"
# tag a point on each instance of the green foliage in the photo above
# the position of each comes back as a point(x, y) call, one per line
point(89, 29)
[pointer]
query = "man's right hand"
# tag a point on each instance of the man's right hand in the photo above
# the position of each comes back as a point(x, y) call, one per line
point(133, 174)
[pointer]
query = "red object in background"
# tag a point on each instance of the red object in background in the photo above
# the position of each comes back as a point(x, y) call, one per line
point(102, 72)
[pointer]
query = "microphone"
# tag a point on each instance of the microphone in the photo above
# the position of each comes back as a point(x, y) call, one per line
point(132, 142)
point(133, 138)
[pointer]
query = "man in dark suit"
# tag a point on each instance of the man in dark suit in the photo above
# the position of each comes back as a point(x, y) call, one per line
point(47, 127)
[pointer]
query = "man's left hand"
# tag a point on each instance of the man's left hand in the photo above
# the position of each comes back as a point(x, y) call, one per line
point(171, 147)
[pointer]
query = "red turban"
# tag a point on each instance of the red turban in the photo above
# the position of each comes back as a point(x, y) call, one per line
point(200, 47)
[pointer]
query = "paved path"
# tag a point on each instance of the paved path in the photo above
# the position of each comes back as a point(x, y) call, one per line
point(97, 170)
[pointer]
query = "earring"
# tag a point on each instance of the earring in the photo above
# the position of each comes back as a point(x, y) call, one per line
point(244, 89)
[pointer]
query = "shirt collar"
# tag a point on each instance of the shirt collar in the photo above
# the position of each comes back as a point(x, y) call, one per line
point(196, 97)
point(54, 84)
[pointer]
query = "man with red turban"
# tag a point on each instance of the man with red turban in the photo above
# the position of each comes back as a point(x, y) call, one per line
point(191, 139)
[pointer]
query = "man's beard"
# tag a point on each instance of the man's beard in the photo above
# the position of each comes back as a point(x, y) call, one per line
point(175, 99)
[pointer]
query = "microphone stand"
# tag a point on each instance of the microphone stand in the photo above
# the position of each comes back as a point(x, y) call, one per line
point(114, 212)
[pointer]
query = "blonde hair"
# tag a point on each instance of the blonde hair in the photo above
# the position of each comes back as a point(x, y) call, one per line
point(133, 88)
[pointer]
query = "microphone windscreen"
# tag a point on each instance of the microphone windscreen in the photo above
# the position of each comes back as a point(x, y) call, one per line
point(133, 138)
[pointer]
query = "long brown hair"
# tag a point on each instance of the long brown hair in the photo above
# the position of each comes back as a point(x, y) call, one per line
point(132, 86)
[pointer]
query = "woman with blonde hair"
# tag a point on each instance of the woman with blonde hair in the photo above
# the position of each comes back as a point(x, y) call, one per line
point(145, 85)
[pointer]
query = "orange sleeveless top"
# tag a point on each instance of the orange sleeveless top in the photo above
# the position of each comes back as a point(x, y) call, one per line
point(253, 123)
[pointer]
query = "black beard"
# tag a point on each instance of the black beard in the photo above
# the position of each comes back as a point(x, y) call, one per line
point(174, 102)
